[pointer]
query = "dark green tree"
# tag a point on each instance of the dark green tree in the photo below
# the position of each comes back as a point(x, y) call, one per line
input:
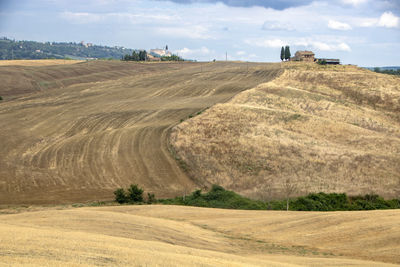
point(135, 56)
point(282, 53)
point(142, 55)
point(287, 53)
point(120, 196)
point(151, 198)
point(135, 193)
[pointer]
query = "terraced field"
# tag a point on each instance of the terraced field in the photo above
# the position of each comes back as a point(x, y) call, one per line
point(77, 132)
point(188, 236)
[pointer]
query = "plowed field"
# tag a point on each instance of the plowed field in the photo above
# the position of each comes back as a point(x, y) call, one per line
point(77, 132)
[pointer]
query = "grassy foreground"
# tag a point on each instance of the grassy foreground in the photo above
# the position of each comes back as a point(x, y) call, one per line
point(159, 235)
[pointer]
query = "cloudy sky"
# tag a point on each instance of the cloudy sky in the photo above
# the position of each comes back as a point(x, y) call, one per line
point(362, 32)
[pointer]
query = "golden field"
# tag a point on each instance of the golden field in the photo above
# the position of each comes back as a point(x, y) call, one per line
point(188, 236)
point(77, 132)
point(38, 62)
point(74, 133)
point(312, 129)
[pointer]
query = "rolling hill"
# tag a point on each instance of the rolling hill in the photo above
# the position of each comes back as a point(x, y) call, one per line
point(187, 236)
point(312, 129)
point(77, 132)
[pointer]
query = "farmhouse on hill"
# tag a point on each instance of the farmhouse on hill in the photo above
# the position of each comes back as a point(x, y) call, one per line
point(309, 56)
point(304, 56)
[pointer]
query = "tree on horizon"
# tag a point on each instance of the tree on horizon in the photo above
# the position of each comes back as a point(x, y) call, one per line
point(287, 53)
point(282, 53)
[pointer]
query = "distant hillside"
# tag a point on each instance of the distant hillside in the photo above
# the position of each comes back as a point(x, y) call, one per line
point(384, 68)
point(313, 129)
point(11, 49)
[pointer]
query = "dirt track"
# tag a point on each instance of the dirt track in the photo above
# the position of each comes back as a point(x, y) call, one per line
point(89, 129)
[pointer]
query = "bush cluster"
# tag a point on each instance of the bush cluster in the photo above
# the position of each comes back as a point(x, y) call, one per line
point(134, 194)
point(218, 197)
point(136, 56)
point(336, 202)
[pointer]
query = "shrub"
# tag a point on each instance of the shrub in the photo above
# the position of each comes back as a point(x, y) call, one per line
point(1, 98)
point(151, 198)
point(135, 193)
point(217, 197)
point(120, 196)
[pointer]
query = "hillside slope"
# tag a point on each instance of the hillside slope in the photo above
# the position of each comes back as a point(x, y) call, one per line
point(188, 236)
point(331, 129)
point(91, 128)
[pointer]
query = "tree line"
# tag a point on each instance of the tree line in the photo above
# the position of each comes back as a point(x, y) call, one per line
point(12, 49)
point(141, 55)
point(387, 71)
point(218, 197)
point(136, 56)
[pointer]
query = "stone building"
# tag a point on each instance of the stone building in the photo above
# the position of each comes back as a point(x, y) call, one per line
point(303, 56)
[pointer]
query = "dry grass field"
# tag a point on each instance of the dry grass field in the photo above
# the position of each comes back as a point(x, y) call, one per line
point(314, 128)
point(188, 236)
point(77, 132)
point(38, 62)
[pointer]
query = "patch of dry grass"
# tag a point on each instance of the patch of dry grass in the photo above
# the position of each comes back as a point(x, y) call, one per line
point(38, 62)
point(188, 236)
point(331, 129)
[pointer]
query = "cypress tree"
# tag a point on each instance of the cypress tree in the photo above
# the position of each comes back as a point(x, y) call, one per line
point(282, 53)
point(287, 52)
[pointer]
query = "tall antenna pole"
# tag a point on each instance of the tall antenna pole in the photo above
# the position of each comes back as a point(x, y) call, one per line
point(226, 56)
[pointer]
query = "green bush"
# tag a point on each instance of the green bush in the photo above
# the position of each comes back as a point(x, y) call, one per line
point(120, 196)
point(135, 194)
point(151, 198)
point(320, 202)
point(217, 197)
point(1, 98)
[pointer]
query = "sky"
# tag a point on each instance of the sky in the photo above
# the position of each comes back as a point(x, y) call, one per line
point(361, 32)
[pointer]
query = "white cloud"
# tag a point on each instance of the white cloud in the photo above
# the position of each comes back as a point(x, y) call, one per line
point(354, 2)
point(327, 47)
point(191, 32)
point(81, 17)
point(187, 52)
point(134, 18)
point(310, 43)
point(273, 43)
point(368, 22)
point(241, 53)
point(277, 26)
point(337, 25)
point(388, 20)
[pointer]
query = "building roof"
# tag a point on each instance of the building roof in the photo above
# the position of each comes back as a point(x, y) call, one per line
point(305, 52)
